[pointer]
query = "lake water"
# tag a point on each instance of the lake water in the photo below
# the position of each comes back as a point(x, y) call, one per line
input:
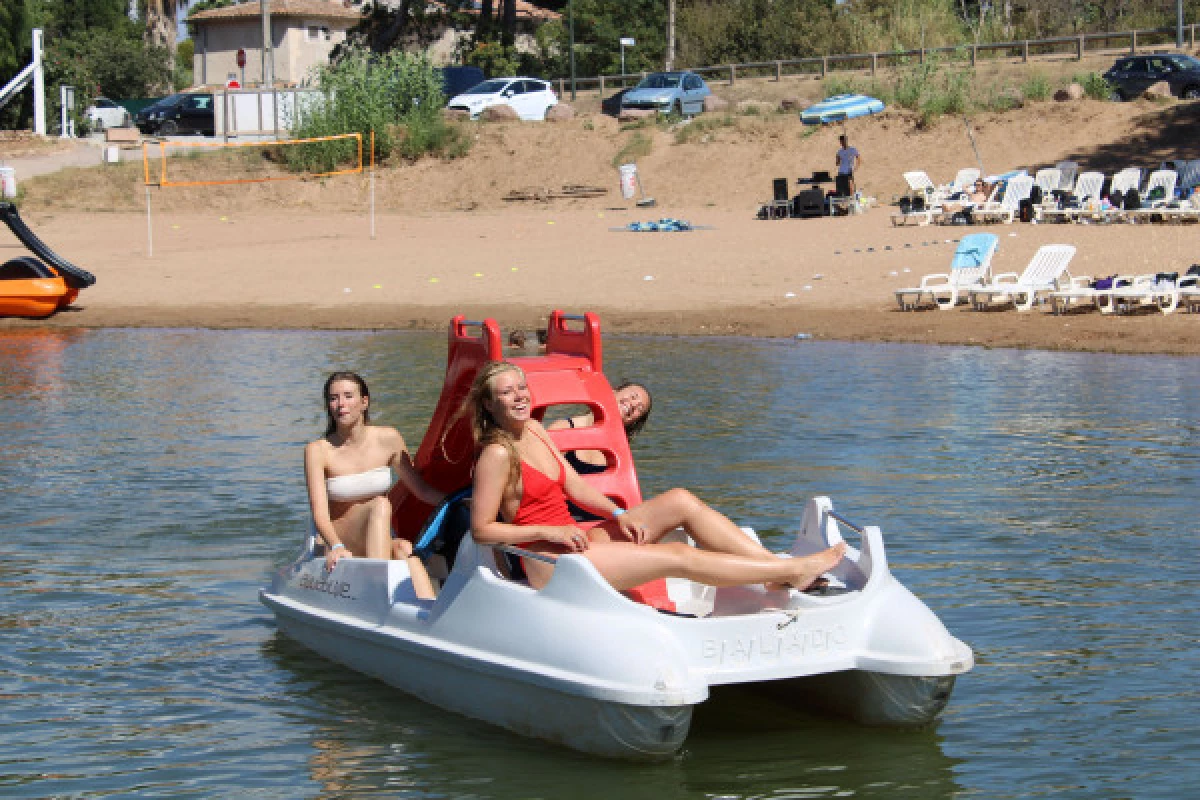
point(1045, 505)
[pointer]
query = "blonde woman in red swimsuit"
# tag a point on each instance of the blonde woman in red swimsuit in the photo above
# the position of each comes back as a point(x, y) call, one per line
point(522, 484)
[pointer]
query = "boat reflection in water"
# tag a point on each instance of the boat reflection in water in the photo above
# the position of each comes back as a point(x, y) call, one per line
point(581, 664)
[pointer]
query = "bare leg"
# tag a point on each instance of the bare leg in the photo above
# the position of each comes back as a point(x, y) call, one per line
point(379, 528)
point(626, 565)
point(676, 508)
point(402, 550)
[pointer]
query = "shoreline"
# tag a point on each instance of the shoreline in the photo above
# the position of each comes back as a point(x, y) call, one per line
point(830, 278)
point(1087, 333)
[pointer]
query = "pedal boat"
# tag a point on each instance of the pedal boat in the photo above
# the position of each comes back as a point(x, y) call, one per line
point(28, 288)
point(603, 672)
point(37, 285)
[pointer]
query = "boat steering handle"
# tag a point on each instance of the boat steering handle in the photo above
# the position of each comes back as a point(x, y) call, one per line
point(523, 553)
point(844, 521)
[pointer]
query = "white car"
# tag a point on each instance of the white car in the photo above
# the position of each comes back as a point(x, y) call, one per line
point(529, 97)
point(104, 113)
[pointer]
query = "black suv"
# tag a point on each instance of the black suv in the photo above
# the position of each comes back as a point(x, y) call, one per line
point(1132, 75)
point(179, 113)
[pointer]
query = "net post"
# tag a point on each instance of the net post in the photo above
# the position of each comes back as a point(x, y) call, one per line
point(149, 227)
point(372, 172)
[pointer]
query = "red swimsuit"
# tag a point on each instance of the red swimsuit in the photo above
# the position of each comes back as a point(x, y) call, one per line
point(544, 500)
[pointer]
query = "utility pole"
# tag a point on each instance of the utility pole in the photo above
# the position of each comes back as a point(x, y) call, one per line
point(670, 65)
point(1179, 24)
point(268, 57)
point(571, 43)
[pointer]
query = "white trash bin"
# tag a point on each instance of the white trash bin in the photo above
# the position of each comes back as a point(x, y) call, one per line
point(628, 180)
point(8, 182)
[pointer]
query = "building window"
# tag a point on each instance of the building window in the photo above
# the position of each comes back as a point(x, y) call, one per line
point(314, 32)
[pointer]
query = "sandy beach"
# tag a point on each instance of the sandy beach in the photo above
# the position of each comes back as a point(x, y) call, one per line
point(446, 242)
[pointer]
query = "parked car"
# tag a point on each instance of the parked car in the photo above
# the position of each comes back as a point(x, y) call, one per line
point(668, 92)
point(1132, 75)
point(179, 113)
point(104, 113)
point(529, 97)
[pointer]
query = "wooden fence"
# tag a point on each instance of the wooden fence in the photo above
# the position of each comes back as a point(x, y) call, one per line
point(1056, 48)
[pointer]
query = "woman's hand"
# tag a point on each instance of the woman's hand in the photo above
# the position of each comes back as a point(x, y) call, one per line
point(631, 529)
point(573, 538)
point(335, 554)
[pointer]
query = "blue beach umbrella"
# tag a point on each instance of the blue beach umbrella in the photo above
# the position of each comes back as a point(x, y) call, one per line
point(840, 108)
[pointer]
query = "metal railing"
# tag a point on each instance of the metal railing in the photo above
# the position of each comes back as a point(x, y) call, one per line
point(1023, 51)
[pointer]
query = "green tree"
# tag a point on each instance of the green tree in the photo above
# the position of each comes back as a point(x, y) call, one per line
point(15, 45)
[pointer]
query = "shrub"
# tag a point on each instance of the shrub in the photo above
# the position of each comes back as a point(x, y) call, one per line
point(1036, 87)
point(700, 127)
point(364, 92)
point(1094, 85)
point(432, 134)
point(638, 146)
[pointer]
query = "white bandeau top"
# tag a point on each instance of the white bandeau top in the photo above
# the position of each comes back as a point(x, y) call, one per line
point(359, 486)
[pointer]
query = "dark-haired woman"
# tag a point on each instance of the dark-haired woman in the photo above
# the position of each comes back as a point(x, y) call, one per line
point(349, 475)
point(521, 488)
point(633, 403)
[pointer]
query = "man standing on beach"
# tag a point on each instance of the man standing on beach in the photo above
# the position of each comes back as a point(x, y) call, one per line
point(847, 160)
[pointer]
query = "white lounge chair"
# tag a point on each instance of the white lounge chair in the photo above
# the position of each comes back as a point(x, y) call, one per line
point(1152, 208)
point(1047, 272)
point(964, 179)
point(1122, 182)
point(1189, 289)
point(1086, 195)
point(920, 187)
point(970, 267)
point(1131, 293)
point(1078, 292)
point(1067, 171)
point(1048, 180)
point(1016, 190)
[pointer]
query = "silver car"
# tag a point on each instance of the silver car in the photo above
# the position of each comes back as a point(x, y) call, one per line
point(668, 92)
point(104, 113)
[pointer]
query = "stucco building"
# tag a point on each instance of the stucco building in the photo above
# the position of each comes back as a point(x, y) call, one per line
point(303, 32)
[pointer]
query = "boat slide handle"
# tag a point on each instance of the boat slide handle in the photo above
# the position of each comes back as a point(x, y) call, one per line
point(844, 521)
point(523, 553)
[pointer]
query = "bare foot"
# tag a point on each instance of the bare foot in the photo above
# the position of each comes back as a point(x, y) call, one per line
point(810, 568)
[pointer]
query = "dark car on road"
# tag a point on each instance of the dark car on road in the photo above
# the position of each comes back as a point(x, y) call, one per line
point(180, 113)
point(1133, 75)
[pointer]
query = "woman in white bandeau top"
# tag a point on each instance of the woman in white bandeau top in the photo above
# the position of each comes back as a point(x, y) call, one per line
point(349, 474)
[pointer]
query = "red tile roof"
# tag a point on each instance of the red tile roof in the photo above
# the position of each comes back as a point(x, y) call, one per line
point(524, 11)
point(327, 9)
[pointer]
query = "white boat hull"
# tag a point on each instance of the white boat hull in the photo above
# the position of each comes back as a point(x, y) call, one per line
point(579, 664)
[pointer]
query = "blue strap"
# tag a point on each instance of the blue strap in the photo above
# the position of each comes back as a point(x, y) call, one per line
point(433, 527)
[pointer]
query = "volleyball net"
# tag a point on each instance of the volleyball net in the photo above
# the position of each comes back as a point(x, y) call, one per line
point(190, 164)
point(176, 163)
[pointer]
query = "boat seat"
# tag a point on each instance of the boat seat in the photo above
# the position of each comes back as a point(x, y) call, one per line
point(446, 527)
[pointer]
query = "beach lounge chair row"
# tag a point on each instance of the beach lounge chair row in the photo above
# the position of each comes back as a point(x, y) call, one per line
point(1125, 294)
point(1157, 200)
point(970, 279)
point(1046, 279)
point(926, 202)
